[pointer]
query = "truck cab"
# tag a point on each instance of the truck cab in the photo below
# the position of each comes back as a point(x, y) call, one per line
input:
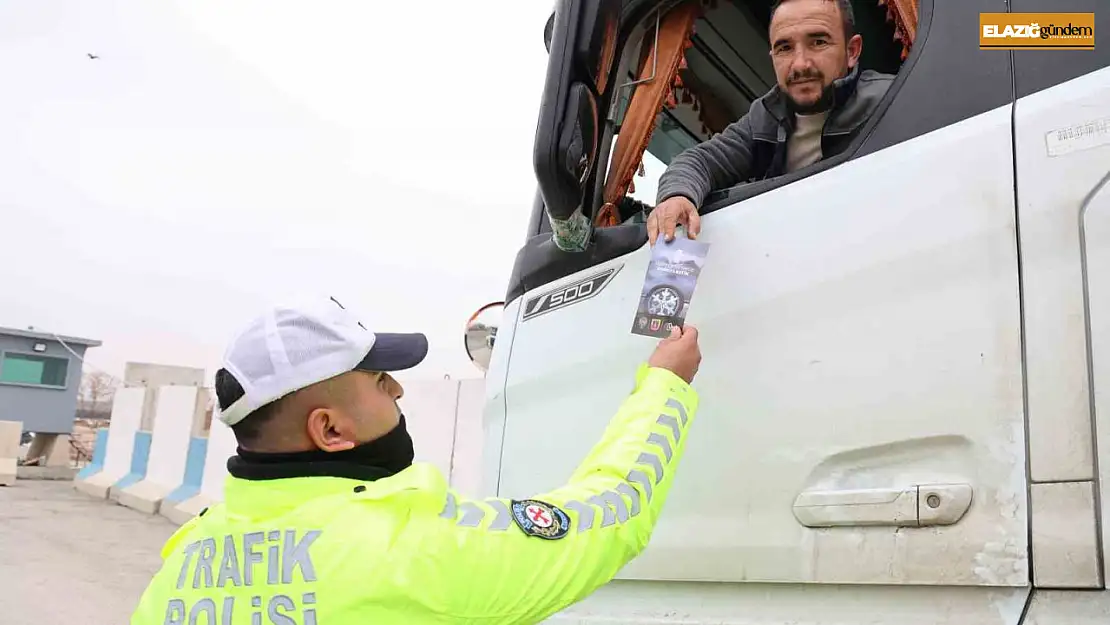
point(905, 390)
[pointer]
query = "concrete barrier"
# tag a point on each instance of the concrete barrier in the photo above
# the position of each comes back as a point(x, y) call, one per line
point(96, 465)
point(221, 446)
point(149, 375)
point(178, 410)
point(119, 444)
point(140, 459)
point(10, 433)
point(153, 379)
point(194, 473)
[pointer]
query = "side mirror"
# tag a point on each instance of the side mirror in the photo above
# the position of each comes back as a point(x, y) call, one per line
point(581, 39)
point(481, 333)
point(548, 28)
point(565, 159)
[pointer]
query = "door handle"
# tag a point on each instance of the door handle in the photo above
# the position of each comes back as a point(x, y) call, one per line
point(922, 505)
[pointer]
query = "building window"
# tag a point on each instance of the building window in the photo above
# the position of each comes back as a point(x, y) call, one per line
point(33, 370)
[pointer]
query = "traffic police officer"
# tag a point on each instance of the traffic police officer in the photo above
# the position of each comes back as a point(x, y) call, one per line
point(326, 520)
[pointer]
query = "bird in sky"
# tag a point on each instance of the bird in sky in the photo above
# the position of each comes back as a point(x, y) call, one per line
point(93, 56)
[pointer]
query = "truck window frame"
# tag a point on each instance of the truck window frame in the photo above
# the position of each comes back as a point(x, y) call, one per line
point(738, 193)
point(909, 109)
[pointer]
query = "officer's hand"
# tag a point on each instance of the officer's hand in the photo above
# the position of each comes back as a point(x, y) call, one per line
point(679, 353)
point(671, 212)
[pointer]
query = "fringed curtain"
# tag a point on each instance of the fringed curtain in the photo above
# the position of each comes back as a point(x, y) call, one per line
point(903, 13)
point(648, 99)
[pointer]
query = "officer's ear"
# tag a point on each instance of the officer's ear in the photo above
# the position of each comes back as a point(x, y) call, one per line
point(329, 430)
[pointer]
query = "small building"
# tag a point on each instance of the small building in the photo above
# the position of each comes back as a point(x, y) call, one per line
point(40, 377)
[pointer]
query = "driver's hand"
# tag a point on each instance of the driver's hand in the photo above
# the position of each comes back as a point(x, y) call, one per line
point(668, 215)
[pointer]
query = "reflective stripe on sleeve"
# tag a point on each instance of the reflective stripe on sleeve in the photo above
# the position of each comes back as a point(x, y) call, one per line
point(449, 508)
point(501, 522)
point(677, 405)
point(671, 422)
point(642, 479)
point(653, 460)
point(661, 441)
point(618, 504)
point(626, 489)
point(585, 514)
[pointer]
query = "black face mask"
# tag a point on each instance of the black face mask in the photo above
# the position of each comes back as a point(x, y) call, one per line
point(392, 452)
point(381, 457)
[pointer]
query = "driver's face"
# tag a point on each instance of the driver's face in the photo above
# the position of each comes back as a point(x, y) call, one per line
point(809, 51)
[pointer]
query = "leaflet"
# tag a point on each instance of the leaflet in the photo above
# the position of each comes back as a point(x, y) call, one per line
point(669, 283)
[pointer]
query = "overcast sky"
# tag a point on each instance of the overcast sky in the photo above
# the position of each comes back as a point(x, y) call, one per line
point(224, 153)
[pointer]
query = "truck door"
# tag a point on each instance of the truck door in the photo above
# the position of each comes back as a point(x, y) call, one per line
point(1062, 136)
point(861, 391)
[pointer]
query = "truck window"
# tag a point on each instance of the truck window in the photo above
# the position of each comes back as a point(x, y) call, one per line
point(727, 66)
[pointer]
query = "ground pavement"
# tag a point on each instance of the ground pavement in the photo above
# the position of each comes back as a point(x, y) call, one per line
point(66, 558)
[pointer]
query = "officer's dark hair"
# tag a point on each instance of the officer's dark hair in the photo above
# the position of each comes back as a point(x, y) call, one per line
point(847, 15)
point(249, 430)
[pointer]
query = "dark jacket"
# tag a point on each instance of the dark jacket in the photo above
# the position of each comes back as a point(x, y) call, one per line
point(754, 147)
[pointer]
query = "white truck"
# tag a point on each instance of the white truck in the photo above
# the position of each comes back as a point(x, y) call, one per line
point(905, 392)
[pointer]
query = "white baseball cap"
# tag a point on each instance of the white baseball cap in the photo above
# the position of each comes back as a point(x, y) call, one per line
point(291, 347)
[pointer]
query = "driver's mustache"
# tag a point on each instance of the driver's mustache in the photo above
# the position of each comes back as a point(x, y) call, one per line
point(806, 75)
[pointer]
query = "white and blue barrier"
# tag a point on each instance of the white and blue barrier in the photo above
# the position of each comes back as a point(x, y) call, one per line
point(194, 471)
point(221, 446)
point(177, 412)
point(96, 465)
point(140, 457)
point(123, 456)
point(176, 470)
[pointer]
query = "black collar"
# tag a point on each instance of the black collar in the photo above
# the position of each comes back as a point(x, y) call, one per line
point(249, 465)
point(844, 87)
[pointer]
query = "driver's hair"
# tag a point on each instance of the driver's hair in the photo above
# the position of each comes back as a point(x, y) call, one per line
point(847, 15)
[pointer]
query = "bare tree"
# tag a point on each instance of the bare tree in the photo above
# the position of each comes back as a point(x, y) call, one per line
point(97, 391)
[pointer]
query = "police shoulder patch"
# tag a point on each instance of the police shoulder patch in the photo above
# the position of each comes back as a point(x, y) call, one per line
point(540, 519)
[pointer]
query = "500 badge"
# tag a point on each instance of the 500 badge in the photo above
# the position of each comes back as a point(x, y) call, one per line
point(568, 294)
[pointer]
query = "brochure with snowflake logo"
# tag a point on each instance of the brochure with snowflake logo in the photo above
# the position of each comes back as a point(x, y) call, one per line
point(669, 283)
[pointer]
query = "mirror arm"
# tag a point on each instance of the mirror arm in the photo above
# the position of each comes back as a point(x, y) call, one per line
point(571, 234)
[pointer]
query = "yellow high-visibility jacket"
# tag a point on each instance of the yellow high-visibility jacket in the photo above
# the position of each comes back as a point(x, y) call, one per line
point(407, 550)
